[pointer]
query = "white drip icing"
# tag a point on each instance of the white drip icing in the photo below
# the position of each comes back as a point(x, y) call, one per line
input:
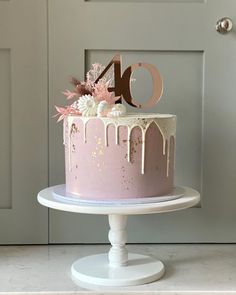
point(117, 134)
point(105, 134)
point(165, 123)
point(128, 143)
point(167, 129)
point(174, 142)
point(143, 151)
point(70, 123)
point(164, 145)
point(168, 158)
point(64, 131)
point(85, 129)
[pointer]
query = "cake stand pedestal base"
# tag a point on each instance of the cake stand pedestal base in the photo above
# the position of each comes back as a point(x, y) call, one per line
point(118, 267)
point(95, 269)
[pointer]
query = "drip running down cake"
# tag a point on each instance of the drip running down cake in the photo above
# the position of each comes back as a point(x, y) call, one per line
point(111, 154)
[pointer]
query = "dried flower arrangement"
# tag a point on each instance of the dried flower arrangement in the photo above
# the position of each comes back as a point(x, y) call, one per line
point(92, 96)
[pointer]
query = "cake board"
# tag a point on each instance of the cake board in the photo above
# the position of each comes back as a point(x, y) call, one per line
point(118, 267)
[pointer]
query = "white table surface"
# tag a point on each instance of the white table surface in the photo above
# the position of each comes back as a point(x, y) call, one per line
point(190, 269)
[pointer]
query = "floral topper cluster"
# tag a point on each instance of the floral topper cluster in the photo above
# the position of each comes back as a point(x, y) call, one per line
point(92, 97)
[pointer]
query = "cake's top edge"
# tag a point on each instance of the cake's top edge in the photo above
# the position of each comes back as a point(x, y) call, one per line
point(128, 116)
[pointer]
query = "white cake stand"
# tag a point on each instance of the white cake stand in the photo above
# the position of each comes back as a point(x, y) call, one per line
point(118, 268)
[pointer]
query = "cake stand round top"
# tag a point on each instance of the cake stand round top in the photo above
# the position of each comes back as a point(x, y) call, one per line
point(188, 198)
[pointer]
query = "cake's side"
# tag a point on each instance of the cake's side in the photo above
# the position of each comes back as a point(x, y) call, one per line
point(115, 158)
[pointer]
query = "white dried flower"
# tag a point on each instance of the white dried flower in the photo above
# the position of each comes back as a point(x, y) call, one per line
point(87, 105)
point(117, 110)
point(75, 105)
point(102, 108)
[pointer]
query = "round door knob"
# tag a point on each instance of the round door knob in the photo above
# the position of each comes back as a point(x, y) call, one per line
point(224, 25)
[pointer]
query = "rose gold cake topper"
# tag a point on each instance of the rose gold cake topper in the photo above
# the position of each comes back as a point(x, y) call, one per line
point(123, 82)
point(101, 92)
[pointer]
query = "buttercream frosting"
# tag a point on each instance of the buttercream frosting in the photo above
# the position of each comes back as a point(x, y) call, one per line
point(165, 122)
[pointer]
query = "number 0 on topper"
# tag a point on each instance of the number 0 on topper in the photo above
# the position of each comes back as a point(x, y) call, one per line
point(122, 82)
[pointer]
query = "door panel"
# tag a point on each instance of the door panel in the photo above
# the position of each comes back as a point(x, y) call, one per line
point(5, 143)
point(198, 67)
point(23, 121)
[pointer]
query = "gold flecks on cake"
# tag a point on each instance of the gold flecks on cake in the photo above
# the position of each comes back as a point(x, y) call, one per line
point(94, 154)
point(100, 166)
point(100, 146)
point(123, 181)
point(99, 141)
point(98, 153)
point(166, 124)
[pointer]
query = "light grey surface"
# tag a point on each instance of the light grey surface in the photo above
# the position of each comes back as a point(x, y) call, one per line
point(198, 66)
point(190, 269)
point(23, 120)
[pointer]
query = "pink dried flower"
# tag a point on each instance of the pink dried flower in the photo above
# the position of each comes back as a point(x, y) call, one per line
point(94, 85)
point(94, 73)
point(81, 88)
point(100, 92)
point(63, 112)
point(69, 94)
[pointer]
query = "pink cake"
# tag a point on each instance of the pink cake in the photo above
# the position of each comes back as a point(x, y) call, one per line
point(116, 158)
point(111, 154)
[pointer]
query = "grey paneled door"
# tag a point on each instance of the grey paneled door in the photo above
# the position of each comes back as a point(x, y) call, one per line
point(23, 120)
point(199, 69)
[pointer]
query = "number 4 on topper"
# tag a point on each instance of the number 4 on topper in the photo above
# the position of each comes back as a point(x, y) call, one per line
point(122, 82)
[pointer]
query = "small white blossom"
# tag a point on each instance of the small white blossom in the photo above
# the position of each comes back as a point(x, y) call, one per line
point(87, 105)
